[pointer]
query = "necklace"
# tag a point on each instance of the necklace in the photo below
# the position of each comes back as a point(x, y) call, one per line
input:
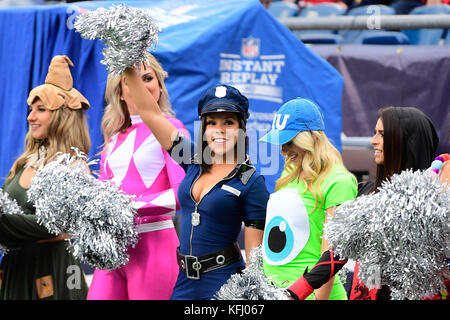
point(36, 159)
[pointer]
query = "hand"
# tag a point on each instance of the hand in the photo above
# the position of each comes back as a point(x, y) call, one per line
point(301, 289)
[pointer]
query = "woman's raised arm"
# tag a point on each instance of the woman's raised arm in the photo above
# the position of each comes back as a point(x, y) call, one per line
point(164, 131)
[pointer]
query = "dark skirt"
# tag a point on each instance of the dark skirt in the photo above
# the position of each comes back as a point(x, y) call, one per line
point(42, 271)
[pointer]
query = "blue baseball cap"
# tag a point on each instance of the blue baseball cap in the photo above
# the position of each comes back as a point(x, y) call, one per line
point(223, 98)
point(294, 116)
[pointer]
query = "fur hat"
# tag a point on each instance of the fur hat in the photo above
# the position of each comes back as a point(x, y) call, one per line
point(58, 89)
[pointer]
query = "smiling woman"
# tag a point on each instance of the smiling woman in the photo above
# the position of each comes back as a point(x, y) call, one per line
point(220, 191)
point(377, 142)
point(221, 135)
point(38, 118)
point(314, 182)
point(404, 138)
point(38, 264)
point(224, 139)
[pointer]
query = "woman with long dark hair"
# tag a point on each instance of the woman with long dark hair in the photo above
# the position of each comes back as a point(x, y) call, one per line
point(404, 138)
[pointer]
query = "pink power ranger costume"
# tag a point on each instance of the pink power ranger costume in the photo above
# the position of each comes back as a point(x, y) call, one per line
point(137, 163)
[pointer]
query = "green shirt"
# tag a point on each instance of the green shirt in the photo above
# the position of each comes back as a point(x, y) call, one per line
point(293, 233)
point(31, 269)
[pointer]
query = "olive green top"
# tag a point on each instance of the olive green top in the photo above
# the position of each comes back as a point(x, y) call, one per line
point(32, 269)
point(17, 230)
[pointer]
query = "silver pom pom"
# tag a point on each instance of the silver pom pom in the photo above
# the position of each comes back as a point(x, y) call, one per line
point(97, 215)
point(398, 235)
point(8, 206)
point(251, 284)
point(127, 32)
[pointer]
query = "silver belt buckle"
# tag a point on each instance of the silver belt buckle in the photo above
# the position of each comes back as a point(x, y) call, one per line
point(193, 267)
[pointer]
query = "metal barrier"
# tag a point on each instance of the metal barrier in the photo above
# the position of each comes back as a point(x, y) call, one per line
point(371, 22)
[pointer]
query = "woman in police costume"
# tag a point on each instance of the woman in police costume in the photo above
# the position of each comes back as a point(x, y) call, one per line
point(221, 188)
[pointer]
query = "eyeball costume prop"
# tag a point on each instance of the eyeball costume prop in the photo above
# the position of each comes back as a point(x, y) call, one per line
point(285, 235)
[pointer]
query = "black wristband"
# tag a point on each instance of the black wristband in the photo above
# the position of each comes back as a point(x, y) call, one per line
point(256, 224)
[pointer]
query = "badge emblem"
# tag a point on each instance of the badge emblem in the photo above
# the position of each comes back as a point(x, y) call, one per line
point(221, 91)
point(195, 219)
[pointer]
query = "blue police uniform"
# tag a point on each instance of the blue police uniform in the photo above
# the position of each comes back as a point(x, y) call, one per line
point(214, 223)
point(208, 254)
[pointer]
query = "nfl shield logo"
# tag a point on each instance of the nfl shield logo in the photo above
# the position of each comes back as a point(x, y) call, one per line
point(250, 47)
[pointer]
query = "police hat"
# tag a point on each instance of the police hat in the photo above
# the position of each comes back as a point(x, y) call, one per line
point(223, 98)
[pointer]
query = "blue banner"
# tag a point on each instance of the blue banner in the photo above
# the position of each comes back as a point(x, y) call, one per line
point(202, 43)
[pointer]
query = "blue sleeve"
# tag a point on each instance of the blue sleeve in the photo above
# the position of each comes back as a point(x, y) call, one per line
point(256, 200)
point(182, 151)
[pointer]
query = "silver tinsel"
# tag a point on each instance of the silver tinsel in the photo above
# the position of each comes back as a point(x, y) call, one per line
point(398, 236)
point(127, 32)
point(8, 206)
point(97, 215)
point(251, 284)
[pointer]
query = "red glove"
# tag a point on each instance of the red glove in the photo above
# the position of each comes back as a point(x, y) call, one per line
point(327, 266)
point(301, 289)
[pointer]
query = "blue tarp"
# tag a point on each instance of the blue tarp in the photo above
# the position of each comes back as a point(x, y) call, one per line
point(202, 43)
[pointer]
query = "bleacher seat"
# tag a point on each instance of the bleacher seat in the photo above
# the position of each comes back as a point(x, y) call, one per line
point(357, 36)
point(320, 10)
point(404, 6)
point(384, 37)
point(427, 36)
point(324, 9)
point(281, 9)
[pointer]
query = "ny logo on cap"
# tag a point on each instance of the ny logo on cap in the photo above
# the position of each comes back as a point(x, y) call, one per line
point(277, 124)
point(221, 91)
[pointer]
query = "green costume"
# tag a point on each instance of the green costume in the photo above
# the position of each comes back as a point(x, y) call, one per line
point(293, 234)
point(32, 269)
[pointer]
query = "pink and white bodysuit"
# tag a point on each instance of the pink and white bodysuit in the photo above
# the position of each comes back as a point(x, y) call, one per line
point(137, 163)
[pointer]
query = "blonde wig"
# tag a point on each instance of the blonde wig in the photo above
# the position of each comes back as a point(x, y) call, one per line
point(318, 158)
point(116, 117)
point(67, 128)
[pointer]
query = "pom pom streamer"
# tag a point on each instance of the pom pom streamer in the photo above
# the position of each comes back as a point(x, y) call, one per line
point(97, 215)
point(8, 206)
point(251, 284)
point(399, 236)
point(127, 32)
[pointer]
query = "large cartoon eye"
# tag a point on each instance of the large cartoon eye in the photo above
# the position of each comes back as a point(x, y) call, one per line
point(280, 239)
point(287, 229)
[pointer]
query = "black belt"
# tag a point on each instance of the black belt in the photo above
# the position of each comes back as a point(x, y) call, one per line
point(193, 266)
